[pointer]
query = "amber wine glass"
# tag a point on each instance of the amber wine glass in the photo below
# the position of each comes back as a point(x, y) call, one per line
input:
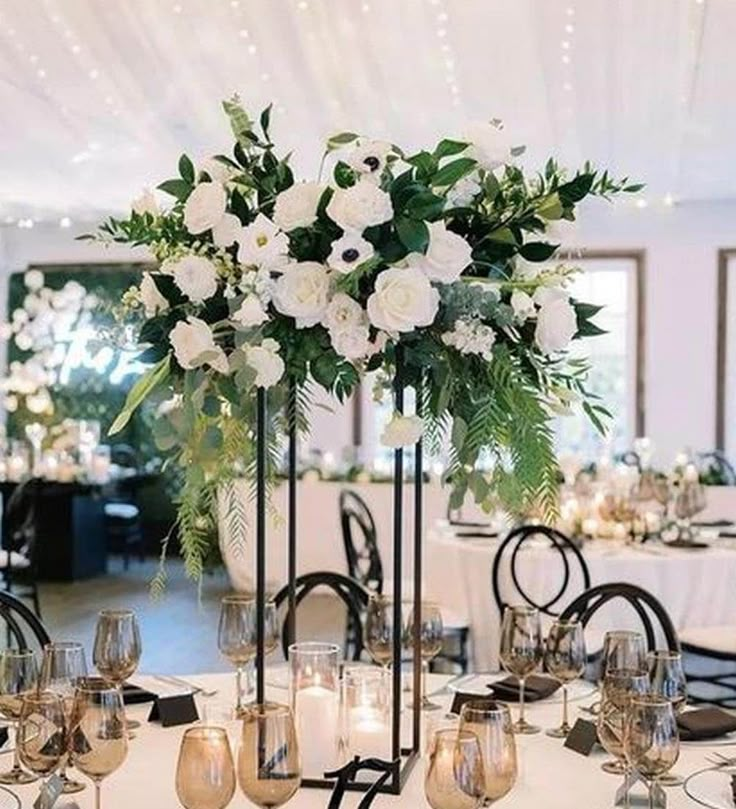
point(205, 773)
point(42, 736)
point(117, 648)
point(18, 678)
point(564, 659)
point(379, 622)
point(455, 776)
point(98, 736)
point(430, 643)
point(269, 764)
point(521, 652)
point(619, 686)
point(237, 634)
point(63, 666)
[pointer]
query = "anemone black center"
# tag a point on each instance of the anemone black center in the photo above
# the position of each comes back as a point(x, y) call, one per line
point(372, 162)
point(350, 254)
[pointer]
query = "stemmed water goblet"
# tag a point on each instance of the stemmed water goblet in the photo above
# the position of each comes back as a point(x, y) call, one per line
point(205, 772)
point(237, 635)
point(18, 678)
point(455, 776)
point(63, 666)
point(619, 686)
point(521, 652)
point(117, 649)
point(623, 650)
point(379, 622)
point(667, 679)
point(430, 643)
point(564, 659)
point(42, 733)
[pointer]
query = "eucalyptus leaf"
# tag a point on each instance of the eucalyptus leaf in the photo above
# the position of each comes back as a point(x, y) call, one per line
point(151, 379)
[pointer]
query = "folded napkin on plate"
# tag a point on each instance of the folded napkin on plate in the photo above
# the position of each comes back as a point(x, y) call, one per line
point(705, 723)
point(536, 687)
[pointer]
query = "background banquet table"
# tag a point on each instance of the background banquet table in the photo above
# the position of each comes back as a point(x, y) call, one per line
point(458, 574)
point(146, 779)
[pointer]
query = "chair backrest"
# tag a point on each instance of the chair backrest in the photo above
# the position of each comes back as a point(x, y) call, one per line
point(352, 593)
point(22, 511)
point(559, 542)
point(719, 467)
point(23, 628)
point(360, 541)
point(647, 607)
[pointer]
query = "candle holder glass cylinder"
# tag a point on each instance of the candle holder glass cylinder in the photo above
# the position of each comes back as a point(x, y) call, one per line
point(314, 694)
point(367, 712)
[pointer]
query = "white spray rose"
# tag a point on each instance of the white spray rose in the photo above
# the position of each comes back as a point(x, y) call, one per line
point(297, 206)
point(353, 343)
point(250, 312)
point(145, 203)
point(343, 312)
point(227, 230)
point(348, 252)
point(301, 293)
point(556, 326)
point(218, 171)
point(447, 255)
point(546, 294)
point(153, 301)
point(402, 431)
point(464, 192)
point(490, 145)
point(262, 244)
point(204, 207)
point(196, 277)
point(523, 306)
point(360, 207)
point(471, 337)
point(266, 362)
point(33, 279)
point(403, 299)
point(194, 345)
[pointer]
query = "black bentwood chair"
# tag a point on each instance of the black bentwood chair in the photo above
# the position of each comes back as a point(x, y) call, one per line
point(716, 468)
point(709, 659)
point(18, 565)
point(23, 629)
point(570, 557)
point(364, 563)
point(353, 595)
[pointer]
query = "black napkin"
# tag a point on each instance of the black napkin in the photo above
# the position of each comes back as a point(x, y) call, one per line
point(134, 695)
point(536, 687)
point(468, 524)
point(688, 544)
point(713, 523)
point(727, 534)
point(705, 723)
point(476, 535)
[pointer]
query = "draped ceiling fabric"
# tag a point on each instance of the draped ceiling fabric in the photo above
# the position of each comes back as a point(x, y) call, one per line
point(98, 98)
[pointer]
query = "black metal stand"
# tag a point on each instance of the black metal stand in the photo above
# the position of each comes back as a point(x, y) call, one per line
point(403, 759)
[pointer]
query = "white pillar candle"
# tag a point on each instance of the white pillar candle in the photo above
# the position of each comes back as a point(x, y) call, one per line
point(317, 712)
point(369, 735)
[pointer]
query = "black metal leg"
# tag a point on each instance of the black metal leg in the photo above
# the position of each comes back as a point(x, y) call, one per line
point(261, 439)
point(292, 561)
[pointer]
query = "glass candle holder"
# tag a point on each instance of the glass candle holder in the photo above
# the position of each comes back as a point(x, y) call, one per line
point(314, 694)
point(367, 711)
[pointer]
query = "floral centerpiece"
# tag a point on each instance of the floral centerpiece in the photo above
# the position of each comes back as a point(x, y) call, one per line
point(432, 266)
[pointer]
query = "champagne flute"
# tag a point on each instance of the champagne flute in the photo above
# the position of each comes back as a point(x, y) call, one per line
point(269, 767)
point(490, 722)
point(42, 736)
point(117, 649)
point(205, 773)
point(651, 738)
point(521, 652)
point(455, 776)
point(237, 635)
point(430, 643)
point(668, 680)
point(18, 678)
point(379, 622)
point(98, 737)
point(619, 686)
point(62, 667)
point(564, 659)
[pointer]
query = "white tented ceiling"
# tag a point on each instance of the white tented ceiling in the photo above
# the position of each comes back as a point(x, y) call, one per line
point(98, 97)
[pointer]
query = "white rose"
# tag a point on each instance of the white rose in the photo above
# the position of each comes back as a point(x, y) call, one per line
point(297, 206)
point(544, 295)
point(351, 343)
point(360, 207)
point(343, 313)
point(490, 145)
point(369, 158)
point(301, 292)
point(348, 252)
point(218, 171)
point(556, 326)
point(153, 301)
point(403, 299)
point(523, 306)
point(402, 431)
point(204, 207)
point(194, 345)
point(33, 279)
point(227, 230)
point(464, 192)
point(262, 244)
point(196, 277)
point(250, 313)
point(264, 359)
point(447, 255)
point(145, 203)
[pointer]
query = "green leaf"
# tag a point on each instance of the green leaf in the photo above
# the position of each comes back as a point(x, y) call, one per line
point(324, 369)
point(454, 171)
point(517, 151)
point(153, 377)
point(266, 120)
point(180, 189)
point(634, 188)
point(425, 205)
point(578, 188)
point(550, 207)
point(240, 123)
point(186, 169)
point(425, 162)
point(538, 251)
point(212, 438)
point(340, 139)
point(447, 147)
point(344, 175)
point(459, 432)
point(503, 235)
point(413, 234)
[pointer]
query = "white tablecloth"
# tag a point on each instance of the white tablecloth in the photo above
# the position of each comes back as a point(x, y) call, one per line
point(550, 777)
point(696, 587)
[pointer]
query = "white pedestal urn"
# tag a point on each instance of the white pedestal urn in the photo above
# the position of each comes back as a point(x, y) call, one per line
point(232, 530)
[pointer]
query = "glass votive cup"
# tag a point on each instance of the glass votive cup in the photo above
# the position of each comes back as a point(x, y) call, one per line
point(367, 711)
